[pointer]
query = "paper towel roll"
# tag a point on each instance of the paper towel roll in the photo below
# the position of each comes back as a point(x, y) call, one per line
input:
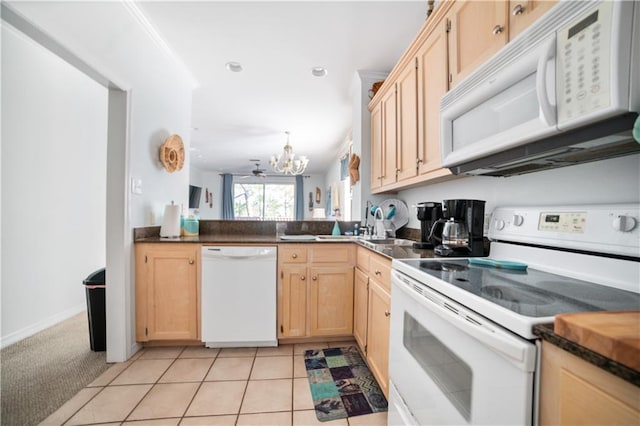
point(171, 222)
point(319, 213)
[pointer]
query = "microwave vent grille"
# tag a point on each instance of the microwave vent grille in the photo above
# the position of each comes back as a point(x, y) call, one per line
point(556, 18)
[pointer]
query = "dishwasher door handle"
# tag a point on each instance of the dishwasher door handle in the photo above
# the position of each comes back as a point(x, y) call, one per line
point(240, 257)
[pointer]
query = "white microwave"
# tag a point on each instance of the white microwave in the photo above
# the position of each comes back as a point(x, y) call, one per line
point(529, 106)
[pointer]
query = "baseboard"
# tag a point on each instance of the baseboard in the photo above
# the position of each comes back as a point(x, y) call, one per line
point(16, 336)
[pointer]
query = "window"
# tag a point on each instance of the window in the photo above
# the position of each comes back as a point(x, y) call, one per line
point(264, 201)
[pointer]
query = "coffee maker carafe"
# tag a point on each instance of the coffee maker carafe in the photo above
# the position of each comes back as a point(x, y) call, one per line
point(428, 213)
point(460, 231)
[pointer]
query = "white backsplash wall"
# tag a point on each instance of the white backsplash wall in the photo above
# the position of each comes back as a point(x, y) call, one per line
point(615, 180)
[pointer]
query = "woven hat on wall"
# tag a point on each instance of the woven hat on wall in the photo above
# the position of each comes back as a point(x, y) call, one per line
point(172, 154)
point(354, 173)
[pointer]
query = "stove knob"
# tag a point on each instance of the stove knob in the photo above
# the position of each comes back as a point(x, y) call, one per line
point(624, 223)
point(517, 220)
point(499, 223)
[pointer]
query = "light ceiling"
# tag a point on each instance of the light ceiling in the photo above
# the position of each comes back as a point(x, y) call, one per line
point(237, 116)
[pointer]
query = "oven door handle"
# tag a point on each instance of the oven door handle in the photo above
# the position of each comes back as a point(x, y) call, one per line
point(511, 348)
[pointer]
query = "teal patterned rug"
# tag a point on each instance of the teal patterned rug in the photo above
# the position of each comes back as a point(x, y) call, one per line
point(341, 384)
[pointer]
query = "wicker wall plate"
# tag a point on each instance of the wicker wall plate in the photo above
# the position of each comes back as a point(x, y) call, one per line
point(172, 154)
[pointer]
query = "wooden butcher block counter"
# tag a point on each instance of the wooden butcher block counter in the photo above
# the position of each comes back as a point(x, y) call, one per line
point(615, 335)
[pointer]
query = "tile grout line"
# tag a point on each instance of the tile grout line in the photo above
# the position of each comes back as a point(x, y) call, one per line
point(215, 358)
point(152, 384)
point(66, 421)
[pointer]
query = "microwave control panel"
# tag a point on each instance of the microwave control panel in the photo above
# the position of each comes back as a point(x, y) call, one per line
point(583, 63)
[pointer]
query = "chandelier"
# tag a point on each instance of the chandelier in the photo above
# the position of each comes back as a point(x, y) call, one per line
point(289, 164)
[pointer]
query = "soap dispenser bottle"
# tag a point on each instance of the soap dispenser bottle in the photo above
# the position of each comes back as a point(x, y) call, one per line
point(336, 229)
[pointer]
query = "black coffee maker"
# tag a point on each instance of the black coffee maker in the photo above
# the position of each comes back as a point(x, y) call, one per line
point(460, 231)
point(428, 213)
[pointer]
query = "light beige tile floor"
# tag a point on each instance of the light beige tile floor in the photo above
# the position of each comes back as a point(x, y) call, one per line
point(198, 386)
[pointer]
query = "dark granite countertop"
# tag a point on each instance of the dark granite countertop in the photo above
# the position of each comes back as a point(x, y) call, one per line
point(239, 232)
point(546, 332)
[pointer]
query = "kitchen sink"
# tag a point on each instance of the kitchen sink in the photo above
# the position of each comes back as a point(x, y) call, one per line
point(376, 243)
point(335, 237)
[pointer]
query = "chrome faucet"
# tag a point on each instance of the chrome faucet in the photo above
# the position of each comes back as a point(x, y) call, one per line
point(379, 231)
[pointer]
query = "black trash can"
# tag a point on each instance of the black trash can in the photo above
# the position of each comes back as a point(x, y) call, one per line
point(95, 286)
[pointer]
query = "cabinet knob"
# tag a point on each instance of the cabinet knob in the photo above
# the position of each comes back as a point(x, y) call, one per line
point(518, 9)
point(302, 278)
point(315, 278)
point(191, 262)
point(498, 29)
point(387, 313)
point(378, 272)
point(294, 255)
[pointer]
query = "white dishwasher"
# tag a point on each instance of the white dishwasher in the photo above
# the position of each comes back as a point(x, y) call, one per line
point(238, 294)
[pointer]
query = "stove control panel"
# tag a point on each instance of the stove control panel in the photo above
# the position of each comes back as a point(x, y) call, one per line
point(600, 228)
point(562, 221)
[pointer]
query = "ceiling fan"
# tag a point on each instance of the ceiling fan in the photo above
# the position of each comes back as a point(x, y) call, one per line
point(257, 172)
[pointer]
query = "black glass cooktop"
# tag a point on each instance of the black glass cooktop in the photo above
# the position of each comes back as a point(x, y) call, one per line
point(531, 292)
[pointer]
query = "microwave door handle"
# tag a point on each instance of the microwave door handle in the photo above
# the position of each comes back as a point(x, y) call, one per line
point(548, 110)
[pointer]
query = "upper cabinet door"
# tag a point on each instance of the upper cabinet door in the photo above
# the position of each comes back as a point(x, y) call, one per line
point(523, 13)
point(478, 29)
point(432, 85)
point(407, 144)
point(389, 137)
point(376, 146)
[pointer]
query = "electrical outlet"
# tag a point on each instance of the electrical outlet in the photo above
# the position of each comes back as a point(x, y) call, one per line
point(487, 223)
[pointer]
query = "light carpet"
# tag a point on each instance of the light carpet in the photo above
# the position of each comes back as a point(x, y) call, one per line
point(43, 371)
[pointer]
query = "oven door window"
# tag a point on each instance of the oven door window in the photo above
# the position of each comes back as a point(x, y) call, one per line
point(451, 374)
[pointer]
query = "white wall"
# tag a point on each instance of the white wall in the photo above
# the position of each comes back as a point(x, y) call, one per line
point(211, 181)
point(54, 137)
point(310, 184)
point(158, 103)
point(615, 180)
point(160, 106)
point(360, 85)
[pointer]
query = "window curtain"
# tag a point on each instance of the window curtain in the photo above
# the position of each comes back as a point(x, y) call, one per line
point(344, 167)
point(227, 196)
point(299, 201)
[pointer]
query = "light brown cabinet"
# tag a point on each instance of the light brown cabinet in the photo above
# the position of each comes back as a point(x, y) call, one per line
point(360, 307)
point(378, 333)
point(372, 304)
point(575, 392)
point(376, 147)
point(167, 292)
point(383, 141)
point(477, 30)
point(407, 122)
point(432, 85)
point(315, 290)
point(416, 85)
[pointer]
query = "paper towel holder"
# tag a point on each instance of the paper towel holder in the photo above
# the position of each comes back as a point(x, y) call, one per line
point(170, 221)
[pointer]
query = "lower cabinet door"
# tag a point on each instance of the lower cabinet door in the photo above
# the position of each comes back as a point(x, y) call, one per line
point(292, 308)
point(378, 335)
point(360, 308)
point(331, 300)
point(167, 308)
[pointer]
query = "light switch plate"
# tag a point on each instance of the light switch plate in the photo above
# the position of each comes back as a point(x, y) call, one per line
point(136, 186)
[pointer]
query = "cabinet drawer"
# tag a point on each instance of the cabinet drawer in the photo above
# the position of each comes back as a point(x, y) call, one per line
point(333, 253)
point(362, 259)
point(380, 270)
point(295, 253)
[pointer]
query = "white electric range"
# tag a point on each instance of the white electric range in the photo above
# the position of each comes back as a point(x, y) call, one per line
point(462, 348)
